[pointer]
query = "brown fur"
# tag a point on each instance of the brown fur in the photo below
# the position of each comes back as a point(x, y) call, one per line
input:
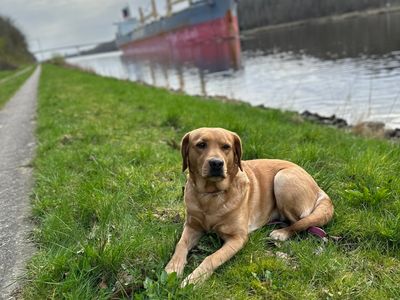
point(246, 196)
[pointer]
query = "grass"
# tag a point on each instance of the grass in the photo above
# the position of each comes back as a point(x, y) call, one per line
point(6, 73)
point(108, 200)
point(8, 86)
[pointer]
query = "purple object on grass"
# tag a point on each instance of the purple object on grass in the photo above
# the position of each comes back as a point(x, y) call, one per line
point(313, 229)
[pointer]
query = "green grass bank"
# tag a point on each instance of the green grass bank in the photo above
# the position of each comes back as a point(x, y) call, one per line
point(108, 207)
point(11, 81)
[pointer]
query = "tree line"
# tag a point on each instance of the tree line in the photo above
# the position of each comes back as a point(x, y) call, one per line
point(13, 46)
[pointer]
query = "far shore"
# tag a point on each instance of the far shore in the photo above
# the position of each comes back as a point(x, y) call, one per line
point(320, 20)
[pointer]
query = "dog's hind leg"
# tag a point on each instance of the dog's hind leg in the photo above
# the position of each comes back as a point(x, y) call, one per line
point(300, 201)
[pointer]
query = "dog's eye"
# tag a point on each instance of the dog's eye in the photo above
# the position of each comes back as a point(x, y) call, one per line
point(201, 145)
point(226, 147)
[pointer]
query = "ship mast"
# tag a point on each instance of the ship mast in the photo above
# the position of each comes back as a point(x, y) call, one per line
point(171, 3)
point(152, 14)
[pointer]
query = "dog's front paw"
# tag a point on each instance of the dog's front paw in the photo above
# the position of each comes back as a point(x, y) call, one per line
point(196, 277)
point(280, 234)
point(185, 282)
point(175, 265)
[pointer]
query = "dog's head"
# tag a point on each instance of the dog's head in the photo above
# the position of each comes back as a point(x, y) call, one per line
point(214, 154)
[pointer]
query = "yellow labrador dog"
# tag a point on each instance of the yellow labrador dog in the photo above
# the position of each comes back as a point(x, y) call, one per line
point(233, 198)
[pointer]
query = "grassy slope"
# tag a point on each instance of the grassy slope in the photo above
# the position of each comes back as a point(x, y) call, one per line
point(4, 74)
point(9, 87)
point(108, 200)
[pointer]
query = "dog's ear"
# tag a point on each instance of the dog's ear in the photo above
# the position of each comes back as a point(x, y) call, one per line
point(237, 150)
point(185, 151)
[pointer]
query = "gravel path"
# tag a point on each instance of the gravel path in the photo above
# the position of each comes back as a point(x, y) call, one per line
point(17, 145)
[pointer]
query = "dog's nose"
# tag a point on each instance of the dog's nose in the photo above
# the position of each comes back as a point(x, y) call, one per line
point(216, 163)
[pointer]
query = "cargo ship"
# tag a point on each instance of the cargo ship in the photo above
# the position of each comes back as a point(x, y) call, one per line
point(205, 34)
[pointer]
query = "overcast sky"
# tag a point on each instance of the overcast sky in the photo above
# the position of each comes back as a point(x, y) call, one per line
point(54, 23)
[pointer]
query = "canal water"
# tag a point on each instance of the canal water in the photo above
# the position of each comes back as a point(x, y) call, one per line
point(349, 67)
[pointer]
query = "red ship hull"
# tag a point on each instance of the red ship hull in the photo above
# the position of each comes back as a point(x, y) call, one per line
point(213, 45)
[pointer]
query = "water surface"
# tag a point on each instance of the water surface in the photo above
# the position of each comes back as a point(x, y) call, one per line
point(348, 67)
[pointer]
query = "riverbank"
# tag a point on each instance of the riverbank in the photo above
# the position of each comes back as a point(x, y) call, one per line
point(108, 200)
point(367, 129)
